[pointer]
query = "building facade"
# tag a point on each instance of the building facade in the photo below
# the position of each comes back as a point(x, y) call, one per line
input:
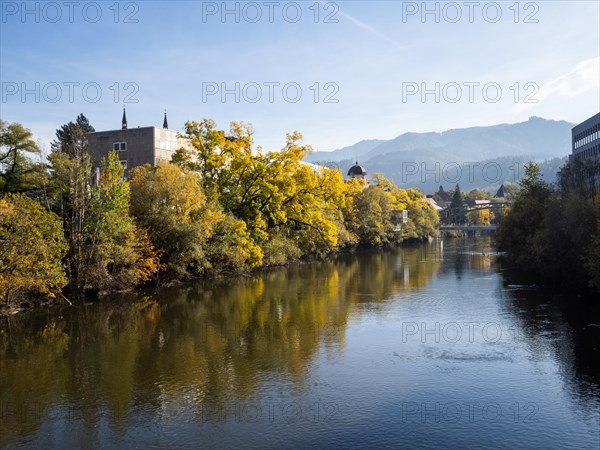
point(136, 146)
point(586, 139)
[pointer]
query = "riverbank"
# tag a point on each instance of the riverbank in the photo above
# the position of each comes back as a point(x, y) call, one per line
point(554, 232)
point(193, 216)
point(67, 298)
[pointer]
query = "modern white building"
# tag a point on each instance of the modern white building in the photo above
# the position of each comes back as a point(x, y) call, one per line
point(586, 139)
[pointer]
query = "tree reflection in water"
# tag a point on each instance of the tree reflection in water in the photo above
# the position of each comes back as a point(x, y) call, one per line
point(189, 347)
point(90, 374)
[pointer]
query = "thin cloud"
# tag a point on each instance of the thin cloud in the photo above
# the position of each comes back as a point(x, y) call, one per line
point(370, 29)
point(582, 78)
point(585, 76)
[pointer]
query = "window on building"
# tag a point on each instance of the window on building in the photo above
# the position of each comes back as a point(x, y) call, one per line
point(120, 146)
point(124, 163)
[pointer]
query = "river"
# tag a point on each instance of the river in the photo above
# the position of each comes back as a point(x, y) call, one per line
point(432, 346)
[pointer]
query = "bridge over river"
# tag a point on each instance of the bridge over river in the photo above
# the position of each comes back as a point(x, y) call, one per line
point(468, 228)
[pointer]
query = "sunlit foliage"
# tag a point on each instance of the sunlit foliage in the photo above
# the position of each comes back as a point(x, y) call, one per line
point(221, 205)
point(31, 250)
point(118, 253)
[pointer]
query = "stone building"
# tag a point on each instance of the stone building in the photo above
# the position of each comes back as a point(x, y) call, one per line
point(136, 146)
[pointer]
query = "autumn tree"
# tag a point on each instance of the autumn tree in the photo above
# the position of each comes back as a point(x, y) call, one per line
point(285, 204)
point(169, 202)
point(309, 201)
point(118, 253)
point(376, 213)
point(31, 250)
point(423, 219)
point(481, 216)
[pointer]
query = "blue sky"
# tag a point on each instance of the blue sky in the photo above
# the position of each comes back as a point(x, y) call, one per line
point(370, 60)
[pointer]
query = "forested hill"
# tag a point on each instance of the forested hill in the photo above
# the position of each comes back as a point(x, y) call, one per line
point(487, 156)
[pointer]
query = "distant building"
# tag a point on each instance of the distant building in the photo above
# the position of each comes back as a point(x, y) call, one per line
point(442, 198)
point(501, 192)
point(357, 171)
point(316, 168)
point(136, 146)
point(433, 203)
point(586, 139)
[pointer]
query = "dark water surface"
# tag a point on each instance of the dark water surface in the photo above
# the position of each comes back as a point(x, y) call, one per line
point(432, 346)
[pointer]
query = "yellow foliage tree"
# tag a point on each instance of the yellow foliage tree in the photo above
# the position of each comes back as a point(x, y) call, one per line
point(480, 217)
point(170, 204)
point(31, 250)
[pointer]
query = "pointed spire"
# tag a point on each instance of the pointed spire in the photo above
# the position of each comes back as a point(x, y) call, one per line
point(501, 192)
point(165, 123)
point(124, 120)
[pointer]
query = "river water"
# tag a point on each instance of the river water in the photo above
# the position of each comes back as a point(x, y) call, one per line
point(433, 346)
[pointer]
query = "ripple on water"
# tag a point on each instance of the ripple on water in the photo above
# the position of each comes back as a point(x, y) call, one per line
point(424, 298)
point(521, 287)
point(449, 355)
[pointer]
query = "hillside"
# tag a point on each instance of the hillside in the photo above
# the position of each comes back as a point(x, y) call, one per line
point(481, 157)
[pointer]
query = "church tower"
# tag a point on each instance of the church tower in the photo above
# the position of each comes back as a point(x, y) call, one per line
point(124, 120)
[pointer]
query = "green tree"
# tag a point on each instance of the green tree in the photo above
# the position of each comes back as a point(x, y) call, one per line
point(69, 194)
point(580, 176)
point(477, 194)
point(68, 137)
point(31, 250)
point(523, 233)
point(17, 171)
point(592, 262)
point(532, 179)
point(118, 254)
point(578, 181)
point(456, 209)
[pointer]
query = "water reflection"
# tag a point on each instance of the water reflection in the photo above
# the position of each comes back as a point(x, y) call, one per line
point(194, 346)
point(562, 324)
point(158, 366)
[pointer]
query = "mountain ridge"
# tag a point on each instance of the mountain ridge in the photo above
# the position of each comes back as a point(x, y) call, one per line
point(536, 136)
point(426, 160)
